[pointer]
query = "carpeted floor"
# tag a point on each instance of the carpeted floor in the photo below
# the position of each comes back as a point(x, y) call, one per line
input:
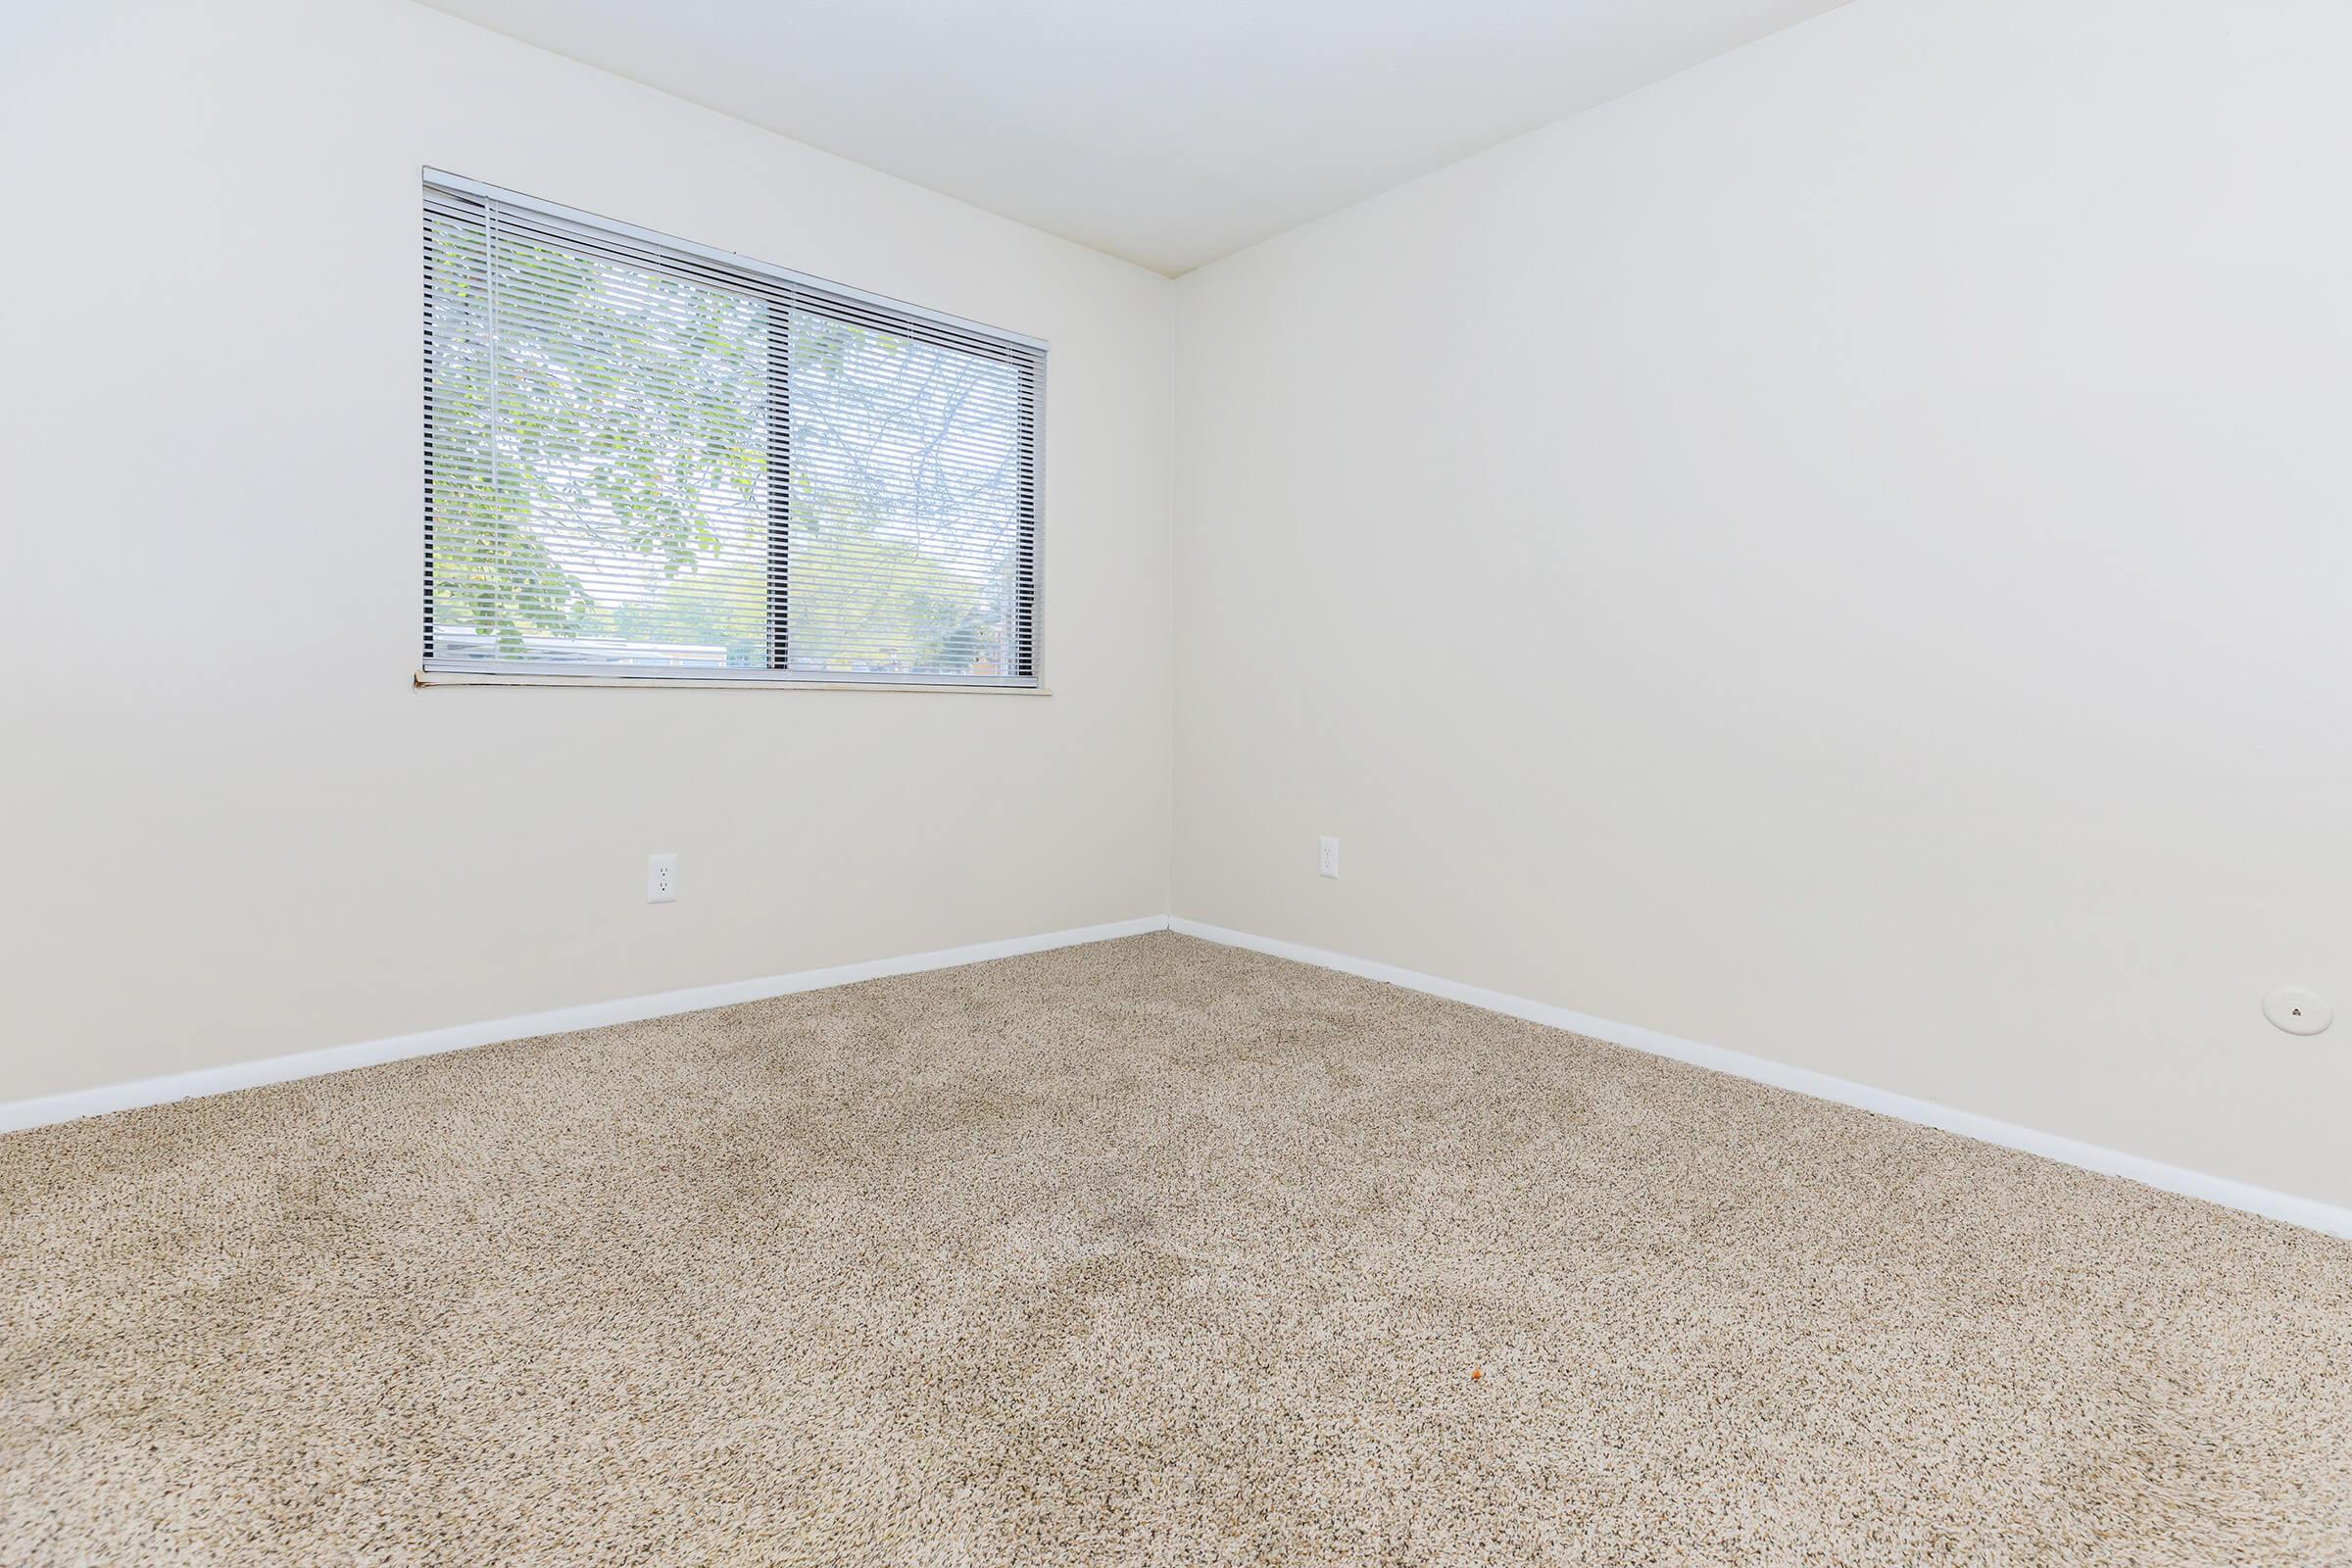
point(1144, 1253)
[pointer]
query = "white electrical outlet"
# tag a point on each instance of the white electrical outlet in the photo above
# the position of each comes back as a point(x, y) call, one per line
point(662, 879)
point(1327, 858)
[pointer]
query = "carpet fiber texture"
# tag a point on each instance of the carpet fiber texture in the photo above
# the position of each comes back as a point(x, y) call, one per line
point(1144, 1253)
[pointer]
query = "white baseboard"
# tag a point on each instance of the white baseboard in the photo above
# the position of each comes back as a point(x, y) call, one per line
point(2307, 1213)
point(80, 1102)
point(2310, 1213)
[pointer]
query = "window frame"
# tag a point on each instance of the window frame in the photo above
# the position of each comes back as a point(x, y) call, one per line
point(857, 305)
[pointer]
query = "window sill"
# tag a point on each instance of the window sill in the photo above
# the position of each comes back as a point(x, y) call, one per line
point(456, 677)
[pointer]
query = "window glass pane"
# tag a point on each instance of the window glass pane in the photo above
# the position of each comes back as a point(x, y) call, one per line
point(598, 483)
point(908, 463)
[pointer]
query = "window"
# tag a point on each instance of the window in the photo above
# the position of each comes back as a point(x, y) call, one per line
point(646, 457)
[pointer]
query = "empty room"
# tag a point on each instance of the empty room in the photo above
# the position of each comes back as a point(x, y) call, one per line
point(1263, 782)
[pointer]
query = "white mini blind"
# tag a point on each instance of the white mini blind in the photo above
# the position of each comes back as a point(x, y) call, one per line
point(648, 458)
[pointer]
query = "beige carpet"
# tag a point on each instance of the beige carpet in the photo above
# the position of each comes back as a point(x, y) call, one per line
point(1144, 1253)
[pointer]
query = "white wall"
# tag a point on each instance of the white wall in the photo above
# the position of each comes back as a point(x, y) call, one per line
point(233, 829)
point(1842, 555)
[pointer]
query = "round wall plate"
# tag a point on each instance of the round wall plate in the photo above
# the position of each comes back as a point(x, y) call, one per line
point(2298, 1011)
